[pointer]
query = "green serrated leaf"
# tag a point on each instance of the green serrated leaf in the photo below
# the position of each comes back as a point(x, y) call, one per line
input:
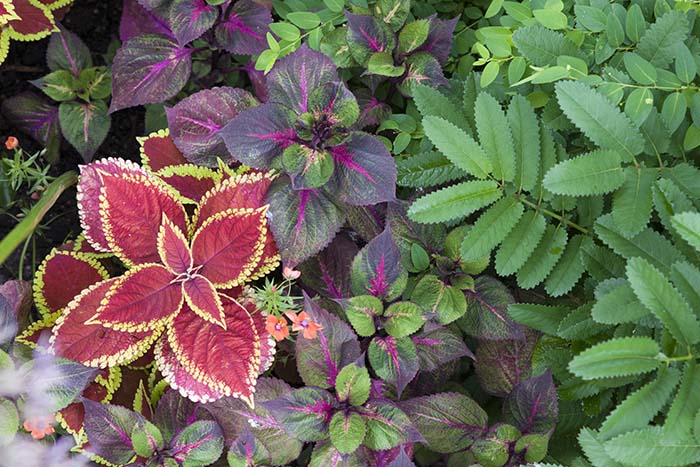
point(520, 243)
point(491, 228)
point(495, 136)
point(543, 318)
point(543, 46)
point(353, 384)
point(646, 447)
point(632, 203)
point(347, 431)
point(659, 42)
point(426, 169)
point(454, 202)
point(594, 173)
point(403, 319)
point(447, 302)
point(431, 102)
point(457, 146)
point(618, 304)
point(617, 357)
point(594, 449)
point(544, 258)
point(568, 269)
point(687, 224)
point(681, 415)
point(525, 127)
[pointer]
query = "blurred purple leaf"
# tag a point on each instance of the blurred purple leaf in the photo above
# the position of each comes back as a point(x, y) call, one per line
point(67, 52)
point(533, 405)
point(500, 365)
point(243, 31)
point(439, 41)
point(108, 428)
point(368, 35)
point(15, 305)
point(175, 412)
point(36, 116)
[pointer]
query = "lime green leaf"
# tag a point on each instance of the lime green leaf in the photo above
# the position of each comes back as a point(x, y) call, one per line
point(286, 31)
point(447, 302)
point(489, 74)
point(304, 19)
point(617, 357)
point(591, 18)
point(413, 35)
point(347, 431)
point(336, 6)
point(353, 384)
point(454, 202)
point(615, 31)
point(382, 63)
point(403, 319)
point(361, 311)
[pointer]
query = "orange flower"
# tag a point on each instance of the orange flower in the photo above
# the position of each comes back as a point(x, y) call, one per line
point(39, 426)
point(290, 273)
point(303, 322)
point(11, 142)
point(277, 327)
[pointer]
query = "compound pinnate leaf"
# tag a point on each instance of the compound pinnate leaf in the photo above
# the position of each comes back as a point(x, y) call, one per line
point(617, 357)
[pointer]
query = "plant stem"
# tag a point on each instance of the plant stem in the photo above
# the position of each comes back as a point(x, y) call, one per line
point(539, 208)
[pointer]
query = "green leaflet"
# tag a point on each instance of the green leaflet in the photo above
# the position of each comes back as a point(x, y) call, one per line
point(579, 325)
point(640, 407)
point(425, 170)
point(686, 278)
point(594, 449)
point(544, 258)
point(601, 263)
point(543, 46)
point(454, 202)
point(491, 228)
point(495, 136)
point(598, 118)
point(658, 295)
point(543, 318)
point(457, 146)
point(618, 304)
point(659, 42)
point(632, 203)
point(520, 243)
point(525, 126)
point(595, 173)
point(646, 447)
point(668, 200)
point(568, 269)
point(616, 357)
point(431, 102)
point(687, 224)
point(347, 431)
point(681, 415)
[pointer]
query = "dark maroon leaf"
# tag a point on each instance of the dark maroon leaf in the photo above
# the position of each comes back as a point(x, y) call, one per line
point(108, 428)
point(372, 111)
point(147, 69)
point(257, 80)
point(189, 19)
point(175, 412)
point(439, 41)
point(304, 413)
point(487, 311)
point(67, 52)
point(377, 267)
point(328, 273)
point(319, 360)
point(406, 232)
point(15, 305)
point(137, 21)
point(394, 360)
point(365, 172)
point(36, 116)
point(195, 122)
point(243, 31)
point(438, 346)
point(533, 406)
point(500, 365)
point(302, 222)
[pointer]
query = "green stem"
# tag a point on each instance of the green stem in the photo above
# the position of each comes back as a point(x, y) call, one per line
point(539, 208)
point(25, 228)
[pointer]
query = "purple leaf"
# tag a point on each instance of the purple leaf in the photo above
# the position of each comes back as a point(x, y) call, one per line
point(67, 52)
point(195, 122)
point(387, 426)
point(372, 111)
point(157, 7)
point(487, 311)
point(304, 413)
point(326, 455)
point(175, 412)
point(402, 460)
point(295, 77)
point(148, 69)
point(366, 221)
point(15, 305)
point(257, 80)
point(137, 21)
point(319, 360)
point(36, 116)
point(328, 273)
point(368, 35)
point(422, 68)
point(258, 135)
point(439, 41)
point(438, 346)
point(377, 267)
point(108, 428)
point(202, 441)
point(302, 222)
point(533, 406)
point(243, 32)
point(406, 232)
point(189, 19)
point(500, 365)
point(235, 417)
point(449, 421)
point(394, 360)
point(246, 450)
point(365, 172)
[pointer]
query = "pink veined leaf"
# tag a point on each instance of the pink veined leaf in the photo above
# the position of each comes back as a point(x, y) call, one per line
point(158, 150)
point(173, 248)
point(143, 299)
point(226, 360)
point(137, 20)
point(190, 19)
point(132, 233)
point(243, 32)
point(93, 344)
point(228, 246)
point(202, 298)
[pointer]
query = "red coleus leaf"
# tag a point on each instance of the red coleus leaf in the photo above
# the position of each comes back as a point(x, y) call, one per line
point(173, 248)
point(131, 208)
point(35, 20)
point(62, 276)
point(202, 298)
point(189, 180)
point(229, 245)
point(158, 151)
point(143, 299)
point(93, 344)
point(225, 360)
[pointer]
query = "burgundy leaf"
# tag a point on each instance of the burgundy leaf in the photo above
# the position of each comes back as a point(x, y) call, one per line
point(243, 31)
point(34, 115)
point(502, 364)
point(159, 151)
point(487, 311)
point(148, 68)
point(304, 413)
point(319, 360)
point(328, 273)
point(439, 41)
point(533, 406)
point(438, 346)
point(196, 121)
point(394, 360)
point(364, 171)
point(189, 19)
point(137, 21)
point(377, 267)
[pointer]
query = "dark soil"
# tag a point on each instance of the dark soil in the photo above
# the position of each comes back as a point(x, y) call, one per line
point(96, 22)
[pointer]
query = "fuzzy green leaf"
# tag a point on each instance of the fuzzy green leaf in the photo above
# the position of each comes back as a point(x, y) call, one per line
point(647, 447)
point(617, 303)
point(520, 243)
point(542, 318)
point(687, 224)
point(526, 137)
point(425, 170)
point(599, 119)
point(616, 357)
point(491, 228)
point(543, 46)
point(446, 301)
point(659, 42)
point(454, 202)
point(681, 416)
point(568, 269)
point(457, 146)
point(632, 203)
point(403, 319)
point(657, 294)
point(595, 173)
point(495, 136)
point(431, 102)
point(544, 258)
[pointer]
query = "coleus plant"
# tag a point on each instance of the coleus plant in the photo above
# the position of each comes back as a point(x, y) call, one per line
point(160, 39)
point(181, 288)
point(305, 130)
